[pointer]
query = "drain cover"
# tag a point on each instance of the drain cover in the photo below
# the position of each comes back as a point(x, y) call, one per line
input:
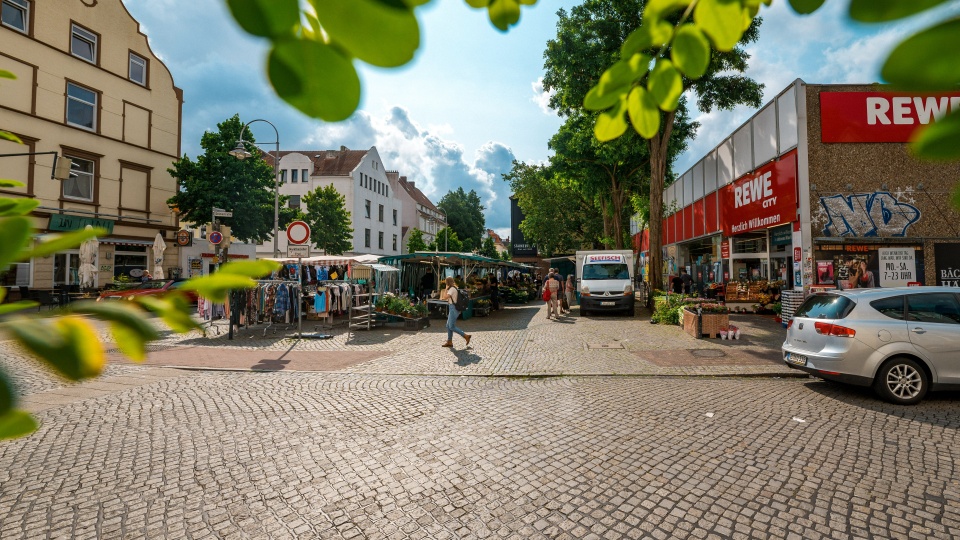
point(605, 345)
point(707, 353)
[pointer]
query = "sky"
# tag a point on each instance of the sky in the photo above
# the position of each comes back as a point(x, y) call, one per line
point(471, 102)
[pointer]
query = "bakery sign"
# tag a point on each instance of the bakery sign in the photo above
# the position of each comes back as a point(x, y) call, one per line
point(761, 199)
point(864, 117)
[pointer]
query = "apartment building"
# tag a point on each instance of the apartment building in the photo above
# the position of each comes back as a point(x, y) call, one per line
point(88, 88)
point(419, 212)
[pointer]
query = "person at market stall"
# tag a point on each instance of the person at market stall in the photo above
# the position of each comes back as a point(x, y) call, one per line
point(677, 284)
point(687, 281)
point(427, 283)
point(570, 290)
point(450, 295)
point(494, 293)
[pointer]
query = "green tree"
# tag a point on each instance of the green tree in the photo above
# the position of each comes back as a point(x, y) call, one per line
point(415, 242)
point(447, 239)
point(488, 249)
point(464, 215)
point(603, 32)
point(329, 220)
point(217, 179)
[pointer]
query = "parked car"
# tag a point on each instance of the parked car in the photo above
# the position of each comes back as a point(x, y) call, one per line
point(154, 287)
point(901, 341)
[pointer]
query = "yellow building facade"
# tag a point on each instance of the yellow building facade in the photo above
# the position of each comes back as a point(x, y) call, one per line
point(88, 88)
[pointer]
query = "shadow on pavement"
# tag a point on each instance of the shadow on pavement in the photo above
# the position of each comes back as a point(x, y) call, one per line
point(465, 357)
point(937, 408)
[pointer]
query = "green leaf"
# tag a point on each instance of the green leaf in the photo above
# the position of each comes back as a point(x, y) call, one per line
point(376, 33)
point(659, 8)
point(130, 330)
point(174, 311)
point(20, 305)
point(611, 124)
point(266, 18)
point(596, 100)
point(806, 7)
point(939, 141)
point(8, 397)
point(69, 344)
point(479, 4)
point(614, 83)
point(216, 286)
point(7, 136)
point(652, 33)
point(691, 51)
point(721, 21)
point(4, 182)
point(253, 269)
point(923, 60)
point(17, 423)
point(4, 74)
point(315, 78)
point(16, 237)
point(665, 85)
point(644, 113)
point(888, 10)
point(60, 242)
point(504, 13)
point(17, 207)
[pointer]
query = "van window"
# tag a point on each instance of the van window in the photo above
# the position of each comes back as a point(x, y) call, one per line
point(606, 271)
point(825, 306)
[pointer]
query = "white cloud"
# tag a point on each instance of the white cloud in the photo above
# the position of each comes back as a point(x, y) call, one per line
point(541, 97)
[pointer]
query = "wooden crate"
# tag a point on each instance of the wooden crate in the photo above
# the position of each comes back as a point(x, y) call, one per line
point(710, 325)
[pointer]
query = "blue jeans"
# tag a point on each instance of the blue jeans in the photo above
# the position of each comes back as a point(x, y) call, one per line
point(452, 315)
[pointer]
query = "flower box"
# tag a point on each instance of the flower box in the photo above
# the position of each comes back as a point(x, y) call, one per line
point(708, 325)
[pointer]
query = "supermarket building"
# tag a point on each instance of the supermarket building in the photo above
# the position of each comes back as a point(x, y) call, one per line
point(819, 190)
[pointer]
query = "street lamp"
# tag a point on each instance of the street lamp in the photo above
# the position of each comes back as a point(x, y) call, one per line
point(446, 230)
point(240, 152)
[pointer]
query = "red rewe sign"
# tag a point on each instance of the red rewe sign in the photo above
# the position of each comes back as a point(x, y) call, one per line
point(848, 117)
point(762, 199)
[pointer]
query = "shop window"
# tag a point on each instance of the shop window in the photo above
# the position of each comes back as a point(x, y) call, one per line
point(138, 69)
point(83, 43)
point(80, 185)
point(750, 243)
point(16, 14)
point(17, 274)
point(81, 107)
point(66, 268)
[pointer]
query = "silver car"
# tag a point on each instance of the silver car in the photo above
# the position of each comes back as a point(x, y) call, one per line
point(902, 341)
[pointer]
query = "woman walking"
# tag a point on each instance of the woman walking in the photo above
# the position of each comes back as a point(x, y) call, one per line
point(552, 284)
point(570, 292)
point(450, 294)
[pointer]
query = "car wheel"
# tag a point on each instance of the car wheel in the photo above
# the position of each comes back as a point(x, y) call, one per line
point(902, 381)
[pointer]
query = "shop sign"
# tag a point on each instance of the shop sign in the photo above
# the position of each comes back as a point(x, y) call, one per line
point(797, 254)
point(781, 236)
point(763, 199)
point(863, 117)
point(898, 266)
point(725, 249)
point(66, 222)
point(948, 264)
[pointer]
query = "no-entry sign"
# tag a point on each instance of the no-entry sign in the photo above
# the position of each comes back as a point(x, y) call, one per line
point(298, 232)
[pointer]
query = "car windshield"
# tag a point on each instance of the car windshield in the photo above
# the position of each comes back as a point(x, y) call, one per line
point(825, 306)
point(152, 285)
point(606, 271)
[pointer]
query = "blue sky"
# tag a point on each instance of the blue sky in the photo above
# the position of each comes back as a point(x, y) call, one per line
point(470, 102)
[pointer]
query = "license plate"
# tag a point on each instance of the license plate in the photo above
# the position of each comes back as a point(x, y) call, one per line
point(608, 303)
point(797, 359)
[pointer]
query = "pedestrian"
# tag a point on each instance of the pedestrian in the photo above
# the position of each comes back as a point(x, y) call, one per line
point(677, 284)
point(552, 284)
point(687, 281)
point(145, 277)
point(570, 290)
point(450, 294)
point(427, 283)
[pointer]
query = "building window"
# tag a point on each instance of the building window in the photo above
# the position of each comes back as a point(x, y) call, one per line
point(386, 190)
point(394, 217)
point(394, 242)
point(366, 238)
point(81, 107)
point(293, 176)
point(16, 14)
point(80, 184)
point(138, 69)
point(380, 240)
point(303, 176)
point(381, 213)
point(283, 176)
point(83, 44)
point(366, 206)
point(294, 201)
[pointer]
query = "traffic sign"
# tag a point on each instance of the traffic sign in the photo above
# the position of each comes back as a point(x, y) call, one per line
point(222, 213)
point(215, 237)
point(298, 232)
point(298, 251)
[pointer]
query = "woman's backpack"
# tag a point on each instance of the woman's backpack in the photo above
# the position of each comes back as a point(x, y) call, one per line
point(463, 300)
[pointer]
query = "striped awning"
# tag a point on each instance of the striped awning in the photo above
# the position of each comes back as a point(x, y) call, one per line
point(126, 242)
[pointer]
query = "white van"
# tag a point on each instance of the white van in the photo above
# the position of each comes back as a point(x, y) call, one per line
point(605, 279)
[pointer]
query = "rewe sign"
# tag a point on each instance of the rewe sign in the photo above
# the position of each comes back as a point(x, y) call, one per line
point(762, 199)
point(847, 117)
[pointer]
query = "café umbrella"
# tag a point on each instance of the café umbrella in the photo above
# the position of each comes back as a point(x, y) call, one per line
point(88, 256)
point(158, 248)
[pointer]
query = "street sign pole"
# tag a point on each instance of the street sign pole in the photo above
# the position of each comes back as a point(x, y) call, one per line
point(300, 307)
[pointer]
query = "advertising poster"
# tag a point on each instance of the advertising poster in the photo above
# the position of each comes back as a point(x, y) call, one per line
point(897, 266)
point(866, 266)
point(825, 275)
point(948, 264)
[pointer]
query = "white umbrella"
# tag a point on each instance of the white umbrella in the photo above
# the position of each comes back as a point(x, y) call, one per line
point(158, 247)
point(88, 255)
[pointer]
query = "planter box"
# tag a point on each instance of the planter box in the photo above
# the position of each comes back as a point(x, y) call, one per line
point(416, 324)
point(709, 324)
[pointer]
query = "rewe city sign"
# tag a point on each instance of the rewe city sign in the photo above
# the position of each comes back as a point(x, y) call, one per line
point(864, 117)
point(762, 199)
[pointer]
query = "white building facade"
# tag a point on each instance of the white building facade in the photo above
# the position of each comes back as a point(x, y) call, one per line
point(419, 212)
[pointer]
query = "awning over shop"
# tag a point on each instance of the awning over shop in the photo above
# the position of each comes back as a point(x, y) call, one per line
point(126, 241)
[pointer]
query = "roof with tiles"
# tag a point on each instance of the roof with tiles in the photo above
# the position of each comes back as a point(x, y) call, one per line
point(415, 193)
point(340, 162)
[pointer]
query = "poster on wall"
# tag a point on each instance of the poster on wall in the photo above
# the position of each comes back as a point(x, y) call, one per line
point(947, 258)
point(196, 267)
point(897, 266)
point(825, 275)
point(866, 266)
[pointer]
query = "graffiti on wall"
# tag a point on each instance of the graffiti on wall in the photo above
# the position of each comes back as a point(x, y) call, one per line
point(867, 214)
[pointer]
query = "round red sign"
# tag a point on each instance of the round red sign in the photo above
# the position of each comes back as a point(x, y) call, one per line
point(298, 232)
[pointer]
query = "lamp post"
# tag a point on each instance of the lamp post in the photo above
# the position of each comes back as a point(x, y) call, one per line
point(240, 152)
point(446, 230)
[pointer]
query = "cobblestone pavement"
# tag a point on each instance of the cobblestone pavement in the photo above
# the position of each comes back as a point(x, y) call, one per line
point(421, 442)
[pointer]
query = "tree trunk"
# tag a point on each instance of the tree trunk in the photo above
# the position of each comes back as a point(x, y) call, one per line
point(658, 172)
point(606, 222)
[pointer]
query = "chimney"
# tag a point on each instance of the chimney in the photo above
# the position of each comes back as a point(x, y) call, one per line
point(343, 148)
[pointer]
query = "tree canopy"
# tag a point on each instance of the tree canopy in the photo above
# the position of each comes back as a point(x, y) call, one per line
point(415, 241)
point(329, 220)
point(464, 215)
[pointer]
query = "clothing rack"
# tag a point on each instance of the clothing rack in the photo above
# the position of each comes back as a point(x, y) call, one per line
point(294, 296)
